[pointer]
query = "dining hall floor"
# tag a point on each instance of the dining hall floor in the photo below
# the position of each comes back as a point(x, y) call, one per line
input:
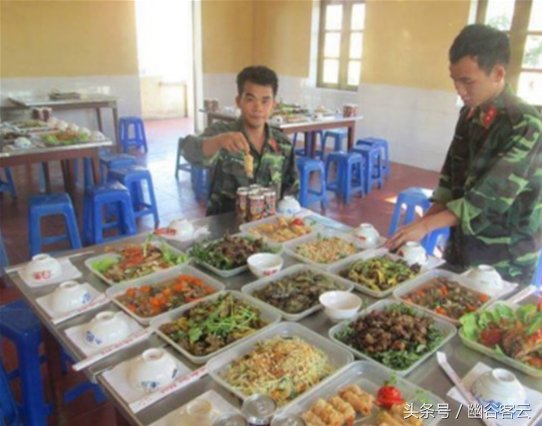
point(175, 199)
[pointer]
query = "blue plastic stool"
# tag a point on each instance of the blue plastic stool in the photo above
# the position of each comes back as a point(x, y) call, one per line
point(9, 412)
point(132, 133)
point(349, 177)
point(94, 222)
point(110, 161)
point(8, 185)
point(338, 135)
point(381, 144)
point(374, 166)
point(88, 176)
point(410, 198)
point(44, 205)
point(308, 195)
point(200, 182)
point(23, 329)
point(435, 238)
point(134, 178)
point(179, 165)
point(312, 141)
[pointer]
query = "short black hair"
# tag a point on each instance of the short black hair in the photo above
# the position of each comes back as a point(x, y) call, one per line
point(258, 74)
point(487, 45)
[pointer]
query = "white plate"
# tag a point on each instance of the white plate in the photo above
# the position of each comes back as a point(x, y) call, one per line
point(117, 377)
point(45, 302)
point(220, 407)
point(77, 335)
point(199, 232)
point(67, 272)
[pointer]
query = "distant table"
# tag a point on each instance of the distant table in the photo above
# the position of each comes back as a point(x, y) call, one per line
point(308, 127)
point(10, 158)
point(92, 101)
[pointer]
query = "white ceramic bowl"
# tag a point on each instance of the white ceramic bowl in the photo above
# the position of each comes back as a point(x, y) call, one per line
point(61, 125)
point(68, 296)
point(151, 370)
point(265, 264)
point(487, 278)
point(106, 328)
point(96, 136)
point(288, 206)
point(499, 386)
point(413, 252)
point(22, 142)
point(368, 234)
point(42, 267)
point(340, 305)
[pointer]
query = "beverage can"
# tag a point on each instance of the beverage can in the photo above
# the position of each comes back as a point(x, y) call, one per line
point(258, 410)
point(241, 203)
point(270, 201)
point(256, 205)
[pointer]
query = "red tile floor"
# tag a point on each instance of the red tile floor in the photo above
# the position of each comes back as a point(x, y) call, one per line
point(175, 199)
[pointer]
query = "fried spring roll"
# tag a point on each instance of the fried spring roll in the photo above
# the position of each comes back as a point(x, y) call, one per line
point(362, 403)
point(312, 419)
point(401, 411)
point(385, 418)
point(343, 407)
point(327, 413)
point(249, 165)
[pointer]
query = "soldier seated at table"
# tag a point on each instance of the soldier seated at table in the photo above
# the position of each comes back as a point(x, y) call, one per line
point(246, 151)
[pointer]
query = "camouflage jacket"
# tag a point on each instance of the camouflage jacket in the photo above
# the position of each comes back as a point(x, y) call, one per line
point(274, 167)
point(492, 181)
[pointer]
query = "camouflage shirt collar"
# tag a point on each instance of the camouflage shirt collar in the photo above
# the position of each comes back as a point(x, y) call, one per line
point(270, 137)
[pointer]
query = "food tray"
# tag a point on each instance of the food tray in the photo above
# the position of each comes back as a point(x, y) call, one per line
point(268, 315)
point(338, 356)
point(369, 254)
point(248, 227)
point(421, 280)
point(448, 331)
point(275, 248)
point(370, 378)
point(505, 359)
point(530, 294)
point(324, 233)
point(294, 269)
point(156, 279)
point(134, 281)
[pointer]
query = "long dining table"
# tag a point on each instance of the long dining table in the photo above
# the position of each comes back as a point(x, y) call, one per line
point(428, 375)
point(17, 157)
point(308, 126)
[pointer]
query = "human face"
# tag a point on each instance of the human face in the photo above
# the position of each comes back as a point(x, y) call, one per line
point(256, 104)
point(474, 85)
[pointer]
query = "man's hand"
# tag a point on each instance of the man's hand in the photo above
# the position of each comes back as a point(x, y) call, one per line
point(412, 232)
point(231, 142)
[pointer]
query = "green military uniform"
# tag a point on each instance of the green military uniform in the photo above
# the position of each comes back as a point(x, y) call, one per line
point(274, 167)
point(492, 181)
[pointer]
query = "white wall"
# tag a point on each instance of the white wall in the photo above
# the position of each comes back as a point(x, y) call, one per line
point(126, 88)
point(418, 123)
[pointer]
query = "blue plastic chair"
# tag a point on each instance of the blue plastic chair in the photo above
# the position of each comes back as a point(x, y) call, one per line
point(109, 161)
point(8, 185)
point(374, 166)
point(98, 199)
point(312, 139)
point(200, 182)
point(349, 178)
point(381, 144)
point(132, 133)
point(134, 178)
point(44, 205)
point(3, 256)
point(308, 195)
point(179, 165)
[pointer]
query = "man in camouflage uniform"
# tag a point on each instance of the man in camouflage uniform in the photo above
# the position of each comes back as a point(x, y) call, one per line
point(222, 147)
point(490, 188)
